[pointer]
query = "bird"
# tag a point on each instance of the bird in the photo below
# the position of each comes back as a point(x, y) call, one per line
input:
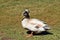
point(33, 24)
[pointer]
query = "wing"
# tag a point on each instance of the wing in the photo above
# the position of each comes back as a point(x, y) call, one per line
point(36, 22)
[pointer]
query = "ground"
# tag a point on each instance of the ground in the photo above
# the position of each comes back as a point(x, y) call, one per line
point(11, 17)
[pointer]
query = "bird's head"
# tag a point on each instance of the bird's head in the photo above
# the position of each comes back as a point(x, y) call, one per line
point(26, 13)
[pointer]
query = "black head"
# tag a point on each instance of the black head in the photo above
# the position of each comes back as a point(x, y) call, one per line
point(26, 13)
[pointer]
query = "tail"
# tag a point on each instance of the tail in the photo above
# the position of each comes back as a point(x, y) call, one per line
point(46, 27)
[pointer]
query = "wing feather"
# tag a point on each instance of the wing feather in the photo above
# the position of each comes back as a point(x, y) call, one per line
point(36, 22)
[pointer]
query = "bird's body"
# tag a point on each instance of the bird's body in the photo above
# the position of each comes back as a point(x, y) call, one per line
point(33, 25)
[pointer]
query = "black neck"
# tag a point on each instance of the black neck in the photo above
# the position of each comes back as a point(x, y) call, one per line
point(27, 17)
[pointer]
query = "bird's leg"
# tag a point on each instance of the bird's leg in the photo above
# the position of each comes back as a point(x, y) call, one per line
point(30, 35)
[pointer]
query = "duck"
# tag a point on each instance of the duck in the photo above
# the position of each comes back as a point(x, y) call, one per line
point(32, 24)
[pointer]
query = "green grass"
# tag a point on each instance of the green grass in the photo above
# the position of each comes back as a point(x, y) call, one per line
point(11, 17)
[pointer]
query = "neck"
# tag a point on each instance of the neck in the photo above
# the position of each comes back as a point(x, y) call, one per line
point(28, 17)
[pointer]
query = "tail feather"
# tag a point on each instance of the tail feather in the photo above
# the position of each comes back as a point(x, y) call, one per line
point(46, 27)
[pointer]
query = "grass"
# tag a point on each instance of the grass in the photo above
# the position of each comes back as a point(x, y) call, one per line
point(11, 16)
